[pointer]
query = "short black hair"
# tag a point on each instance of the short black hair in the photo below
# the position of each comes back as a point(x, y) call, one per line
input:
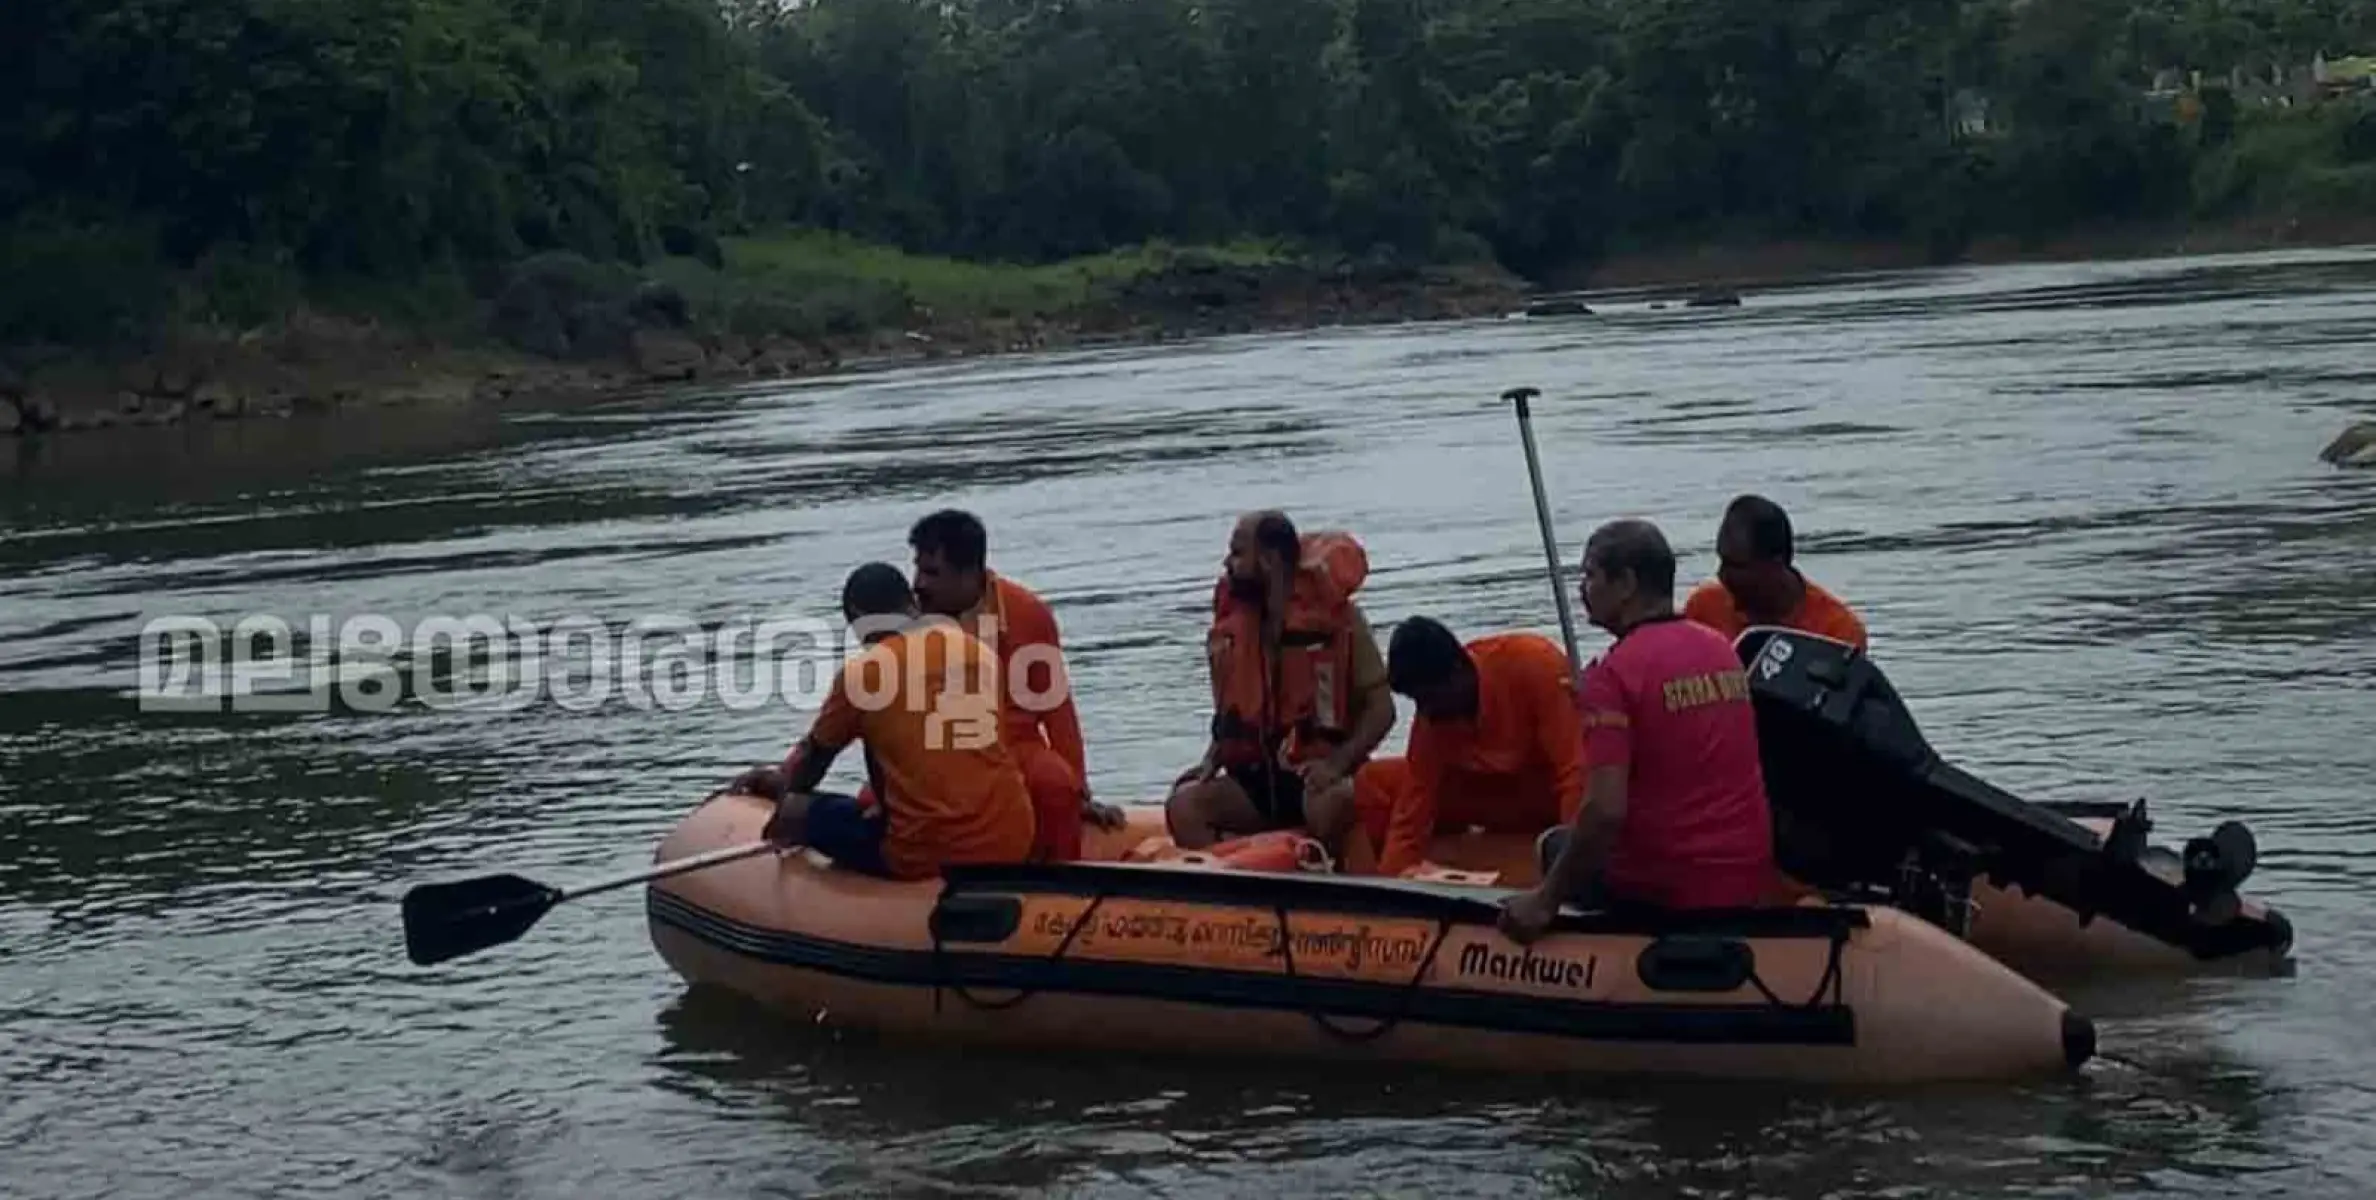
point(1422, 654)
point(955, 535)
point(1764, 525)
point(1631, 546)
point(877, 589)
point(1275, 533)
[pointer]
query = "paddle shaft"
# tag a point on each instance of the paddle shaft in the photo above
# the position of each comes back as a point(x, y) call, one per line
point(664, 870)
point(1534, 472)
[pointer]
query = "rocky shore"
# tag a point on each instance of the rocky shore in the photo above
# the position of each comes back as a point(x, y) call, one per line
point(548, 337)
point(548, 333)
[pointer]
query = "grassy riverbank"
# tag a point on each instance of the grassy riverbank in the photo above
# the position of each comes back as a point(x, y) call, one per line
point(768, 307)
point(805, 303)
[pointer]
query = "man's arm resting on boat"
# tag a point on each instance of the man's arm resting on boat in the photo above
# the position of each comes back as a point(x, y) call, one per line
point(1595, 827)
point(1586, 851)
point(802, 772)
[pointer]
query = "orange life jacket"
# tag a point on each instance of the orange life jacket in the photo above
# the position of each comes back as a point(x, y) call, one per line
point(1298, 707)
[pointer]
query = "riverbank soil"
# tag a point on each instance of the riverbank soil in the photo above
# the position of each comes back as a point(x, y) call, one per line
point(573, 330)
point(558, 328)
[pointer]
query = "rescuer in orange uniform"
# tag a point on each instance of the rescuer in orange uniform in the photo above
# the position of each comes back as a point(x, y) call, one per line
point(1498, 742)
point(1756, 584)
point(942, 790)
point(1037, 718)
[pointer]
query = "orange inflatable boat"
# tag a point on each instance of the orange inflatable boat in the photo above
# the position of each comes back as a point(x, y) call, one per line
point(1203, 957)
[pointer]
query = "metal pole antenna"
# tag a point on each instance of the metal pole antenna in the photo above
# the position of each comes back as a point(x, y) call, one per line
point(1534, 471)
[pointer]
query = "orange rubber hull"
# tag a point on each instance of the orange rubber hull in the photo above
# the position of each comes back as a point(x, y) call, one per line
point(2044, 940)
point(1176, 958)
point(2031, 934)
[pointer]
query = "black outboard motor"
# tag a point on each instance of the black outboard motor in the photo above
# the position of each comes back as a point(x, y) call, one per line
point(1863, 805)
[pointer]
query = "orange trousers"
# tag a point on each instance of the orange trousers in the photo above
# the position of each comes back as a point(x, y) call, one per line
point(1056, 802)
point(1375, 787)
point(1484, 802)
point(1057, 795)
point(1382, 780)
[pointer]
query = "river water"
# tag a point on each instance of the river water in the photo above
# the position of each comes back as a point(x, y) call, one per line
point(2078, 505)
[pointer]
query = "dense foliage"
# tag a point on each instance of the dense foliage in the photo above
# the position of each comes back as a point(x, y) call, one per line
point(255, 142)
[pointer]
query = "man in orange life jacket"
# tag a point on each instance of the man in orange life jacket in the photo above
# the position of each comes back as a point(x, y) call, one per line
point(1038, 721)
point(1674, 812)
point(1299, 690)
point(1756, 584)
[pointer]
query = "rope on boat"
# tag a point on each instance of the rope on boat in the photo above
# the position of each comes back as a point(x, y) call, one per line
point(1832, 980)
point(1386, 1024)
point(941, 974)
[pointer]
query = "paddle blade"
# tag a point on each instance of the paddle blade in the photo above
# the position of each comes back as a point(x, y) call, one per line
point(448, 920)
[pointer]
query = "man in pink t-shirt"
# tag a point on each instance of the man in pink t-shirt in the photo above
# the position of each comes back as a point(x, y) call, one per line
point(1674, 810)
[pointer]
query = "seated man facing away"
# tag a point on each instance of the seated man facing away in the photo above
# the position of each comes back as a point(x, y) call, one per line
point(1038, 720)
point(1756, 584)
point(1299, 690)
point(922, 697)
point(1674, 811)
point(1497, 743)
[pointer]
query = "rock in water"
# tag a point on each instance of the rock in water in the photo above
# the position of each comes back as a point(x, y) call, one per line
point(1558, 308)
point(2355, 447)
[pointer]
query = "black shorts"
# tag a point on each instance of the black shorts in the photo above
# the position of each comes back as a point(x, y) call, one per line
point(850, 835)
point(1277, 793)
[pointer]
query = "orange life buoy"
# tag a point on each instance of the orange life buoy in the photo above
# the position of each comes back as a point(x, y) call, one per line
point(1279, 850)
